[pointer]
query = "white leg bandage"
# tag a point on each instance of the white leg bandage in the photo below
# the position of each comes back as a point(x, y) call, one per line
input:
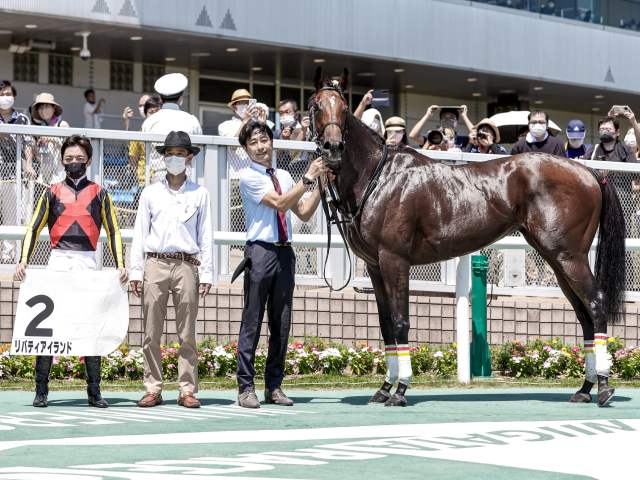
point(404, 364)
point(391, 356)
point(603, 359)
point(590, 362)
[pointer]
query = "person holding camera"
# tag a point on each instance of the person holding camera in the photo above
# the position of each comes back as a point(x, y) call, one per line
point(485, 138)
point(449, 117)
point(610, 148)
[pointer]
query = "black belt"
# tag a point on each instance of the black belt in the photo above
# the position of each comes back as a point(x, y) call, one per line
point(275, 244)
point(187, 257)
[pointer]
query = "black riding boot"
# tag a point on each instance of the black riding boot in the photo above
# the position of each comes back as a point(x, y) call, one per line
point(92, 368)
point(605, 392)
point(43, 368)
point(584, 394)
point(398, 399)
point(383, 394)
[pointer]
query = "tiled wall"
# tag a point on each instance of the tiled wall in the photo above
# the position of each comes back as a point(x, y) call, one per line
point(352, 318)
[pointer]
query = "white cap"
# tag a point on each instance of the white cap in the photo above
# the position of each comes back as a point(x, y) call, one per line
point(171, 84)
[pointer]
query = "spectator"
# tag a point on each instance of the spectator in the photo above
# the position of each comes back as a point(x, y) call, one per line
point(575, 146)
point(127, 113)
point(610, 147)
point(448, 119)
point(170, 117)
point(395, 131)
point(10, 211)
point(373, 119)
point(538, 138)
point(92, 111)
point(486, 139)
point(631, 142)
point(364, 103)
point(45, 111)
point(137, 154)
point(549, 8)
point(240, 103)
point(290, 126)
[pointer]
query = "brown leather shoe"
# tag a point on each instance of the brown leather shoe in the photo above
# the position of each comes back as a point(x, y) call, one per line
point(150, 400)
point(188, 400)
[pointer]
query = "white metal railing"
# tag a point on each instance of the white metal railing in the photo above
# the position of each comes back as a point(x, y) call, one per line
point(213, 169)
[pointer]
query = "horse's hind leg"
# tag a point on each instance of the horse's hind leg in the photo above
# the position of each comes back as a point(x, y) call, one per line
point(584, 394)
point(575, 270)
point(384, 315)
point(395, 276)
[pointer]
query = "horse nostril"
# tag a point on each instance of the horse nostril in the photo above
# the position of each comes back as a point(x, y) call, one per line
point(327, 145)
point(341, 146)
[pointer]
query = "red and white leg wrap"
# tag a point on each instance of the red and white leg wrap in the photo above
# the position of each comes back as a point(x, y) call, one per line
point(404, 364)
point(391, 356)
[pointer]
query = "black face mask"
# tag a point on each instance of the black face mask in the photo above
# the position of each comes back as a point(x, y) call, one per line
point(607, 138)
point(75, 170)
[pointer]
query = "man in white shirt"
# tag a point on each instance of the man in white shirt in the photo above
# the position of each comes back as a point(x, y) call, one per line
point(92, 112)
point(269, 196)
point(172, 251)
point(171, 88)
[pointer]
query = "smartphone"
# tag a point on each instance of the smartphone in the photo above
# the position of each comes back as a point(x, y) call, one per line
point(450, 107)
point(252, 102)
point(380, 98)
point(618, 110)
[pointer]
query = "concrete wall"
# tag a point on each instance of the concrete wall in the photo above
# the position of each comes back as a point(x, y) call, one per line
point(351, 318)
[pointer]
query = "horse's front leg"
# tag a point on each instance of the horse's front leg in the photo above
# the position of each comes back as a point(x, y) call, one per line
point(395, 276)
point(384, 315)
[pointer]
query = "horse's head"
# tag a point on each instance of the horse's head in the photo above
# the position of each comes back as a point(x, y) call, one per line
point(328, 110)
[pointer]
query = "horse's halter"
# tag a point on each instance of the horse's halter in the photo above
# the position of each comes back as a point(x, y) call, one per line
point(318, 136)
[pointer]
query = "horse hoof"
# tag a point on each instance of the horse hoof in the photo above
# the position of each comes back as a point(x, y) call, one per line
point(381, 396)
point(605, 395)
point(580, 397)
point(396, 400)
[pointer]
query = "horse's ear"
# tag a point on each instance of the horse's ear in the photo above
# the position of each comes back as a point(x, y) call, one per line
point(344, 80)
point(317, 79)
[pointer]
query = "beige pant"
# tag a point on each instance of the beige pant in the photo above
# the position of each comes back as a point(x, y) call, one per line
point(180, 278)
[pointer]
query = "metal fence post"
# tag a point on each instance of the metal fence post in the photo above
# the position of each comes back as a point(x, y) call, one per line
point(223, 207)
point(480, 355)
point(462, 319)
point(209, 181)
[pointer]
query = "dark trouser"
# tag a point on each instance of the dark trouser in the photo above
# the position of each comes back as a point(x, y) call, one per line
point(269, 283)
point(92, 369)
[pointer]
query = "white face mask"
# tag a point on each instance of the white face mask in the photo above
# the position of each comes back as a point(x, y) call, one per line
point(537, 129)
point(576, 142)
point(394, 138)
point(6, 102)
point(141, 111)
point(175, 165)
point(287, 121)
point(375, 125)
point(241, 110)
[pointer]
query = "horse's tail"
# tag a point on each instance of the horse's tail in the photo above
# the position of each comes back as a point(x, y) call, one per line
point(610, 254)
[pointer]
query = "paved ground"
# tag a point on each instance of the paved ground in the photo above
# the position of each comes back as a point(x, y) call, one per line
point(445, 433)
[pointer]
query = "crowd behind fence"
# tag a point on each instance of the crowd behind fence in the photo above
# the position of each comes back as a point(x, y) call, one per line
point(513, 268)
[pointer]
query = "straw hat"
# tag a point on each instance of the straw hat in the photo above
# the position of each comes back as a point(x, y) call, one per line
point(492, 126)
point(394, 124)
point(238, 95)
point(45, 98)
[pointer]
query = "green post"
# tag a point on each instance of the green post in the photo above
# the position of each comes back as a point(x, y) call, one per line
point(480, 356)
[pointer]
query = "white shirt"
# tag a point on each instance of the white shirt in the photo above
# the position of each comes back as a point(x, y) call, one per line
point(170, 221)
point(91, 120)
point(262, 221)
point(170, 118)
point(229, 128)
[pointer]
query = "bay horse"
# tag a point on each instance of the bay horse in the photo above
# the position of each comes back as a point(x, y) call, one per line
point(401, 208)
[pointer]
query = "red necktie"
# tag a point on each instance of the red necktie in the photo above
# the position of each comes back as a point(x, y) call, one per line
point(282, 221)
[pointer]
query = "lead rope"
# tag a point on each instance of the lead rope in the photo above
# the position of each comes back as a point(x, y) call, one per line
point(332, 216)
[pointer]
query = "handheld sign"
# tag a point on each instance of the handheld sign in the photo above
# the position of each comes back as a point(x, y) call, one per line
point(77, 313)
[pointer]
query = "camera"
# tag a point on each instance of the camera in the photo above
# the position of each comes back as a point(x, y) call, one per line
point(85, 54)
point(435, 137)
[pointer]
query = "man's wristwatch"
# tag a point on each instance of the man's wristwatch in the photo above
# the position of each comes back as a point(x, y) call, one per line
point(307, 181)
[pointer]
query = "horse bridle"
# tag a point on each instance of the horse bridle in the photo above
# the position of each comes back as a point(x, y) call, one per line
point(317, 136)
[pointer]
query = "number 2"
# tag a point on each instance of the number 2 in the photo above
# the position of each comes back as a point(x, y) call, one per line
point(32, 329)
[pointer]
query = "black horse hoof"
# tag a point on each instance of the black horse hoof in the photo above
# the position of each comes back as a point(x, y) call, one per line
point(605, 395)
point(381, 396)
point(396, 400)
point(580, 397)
